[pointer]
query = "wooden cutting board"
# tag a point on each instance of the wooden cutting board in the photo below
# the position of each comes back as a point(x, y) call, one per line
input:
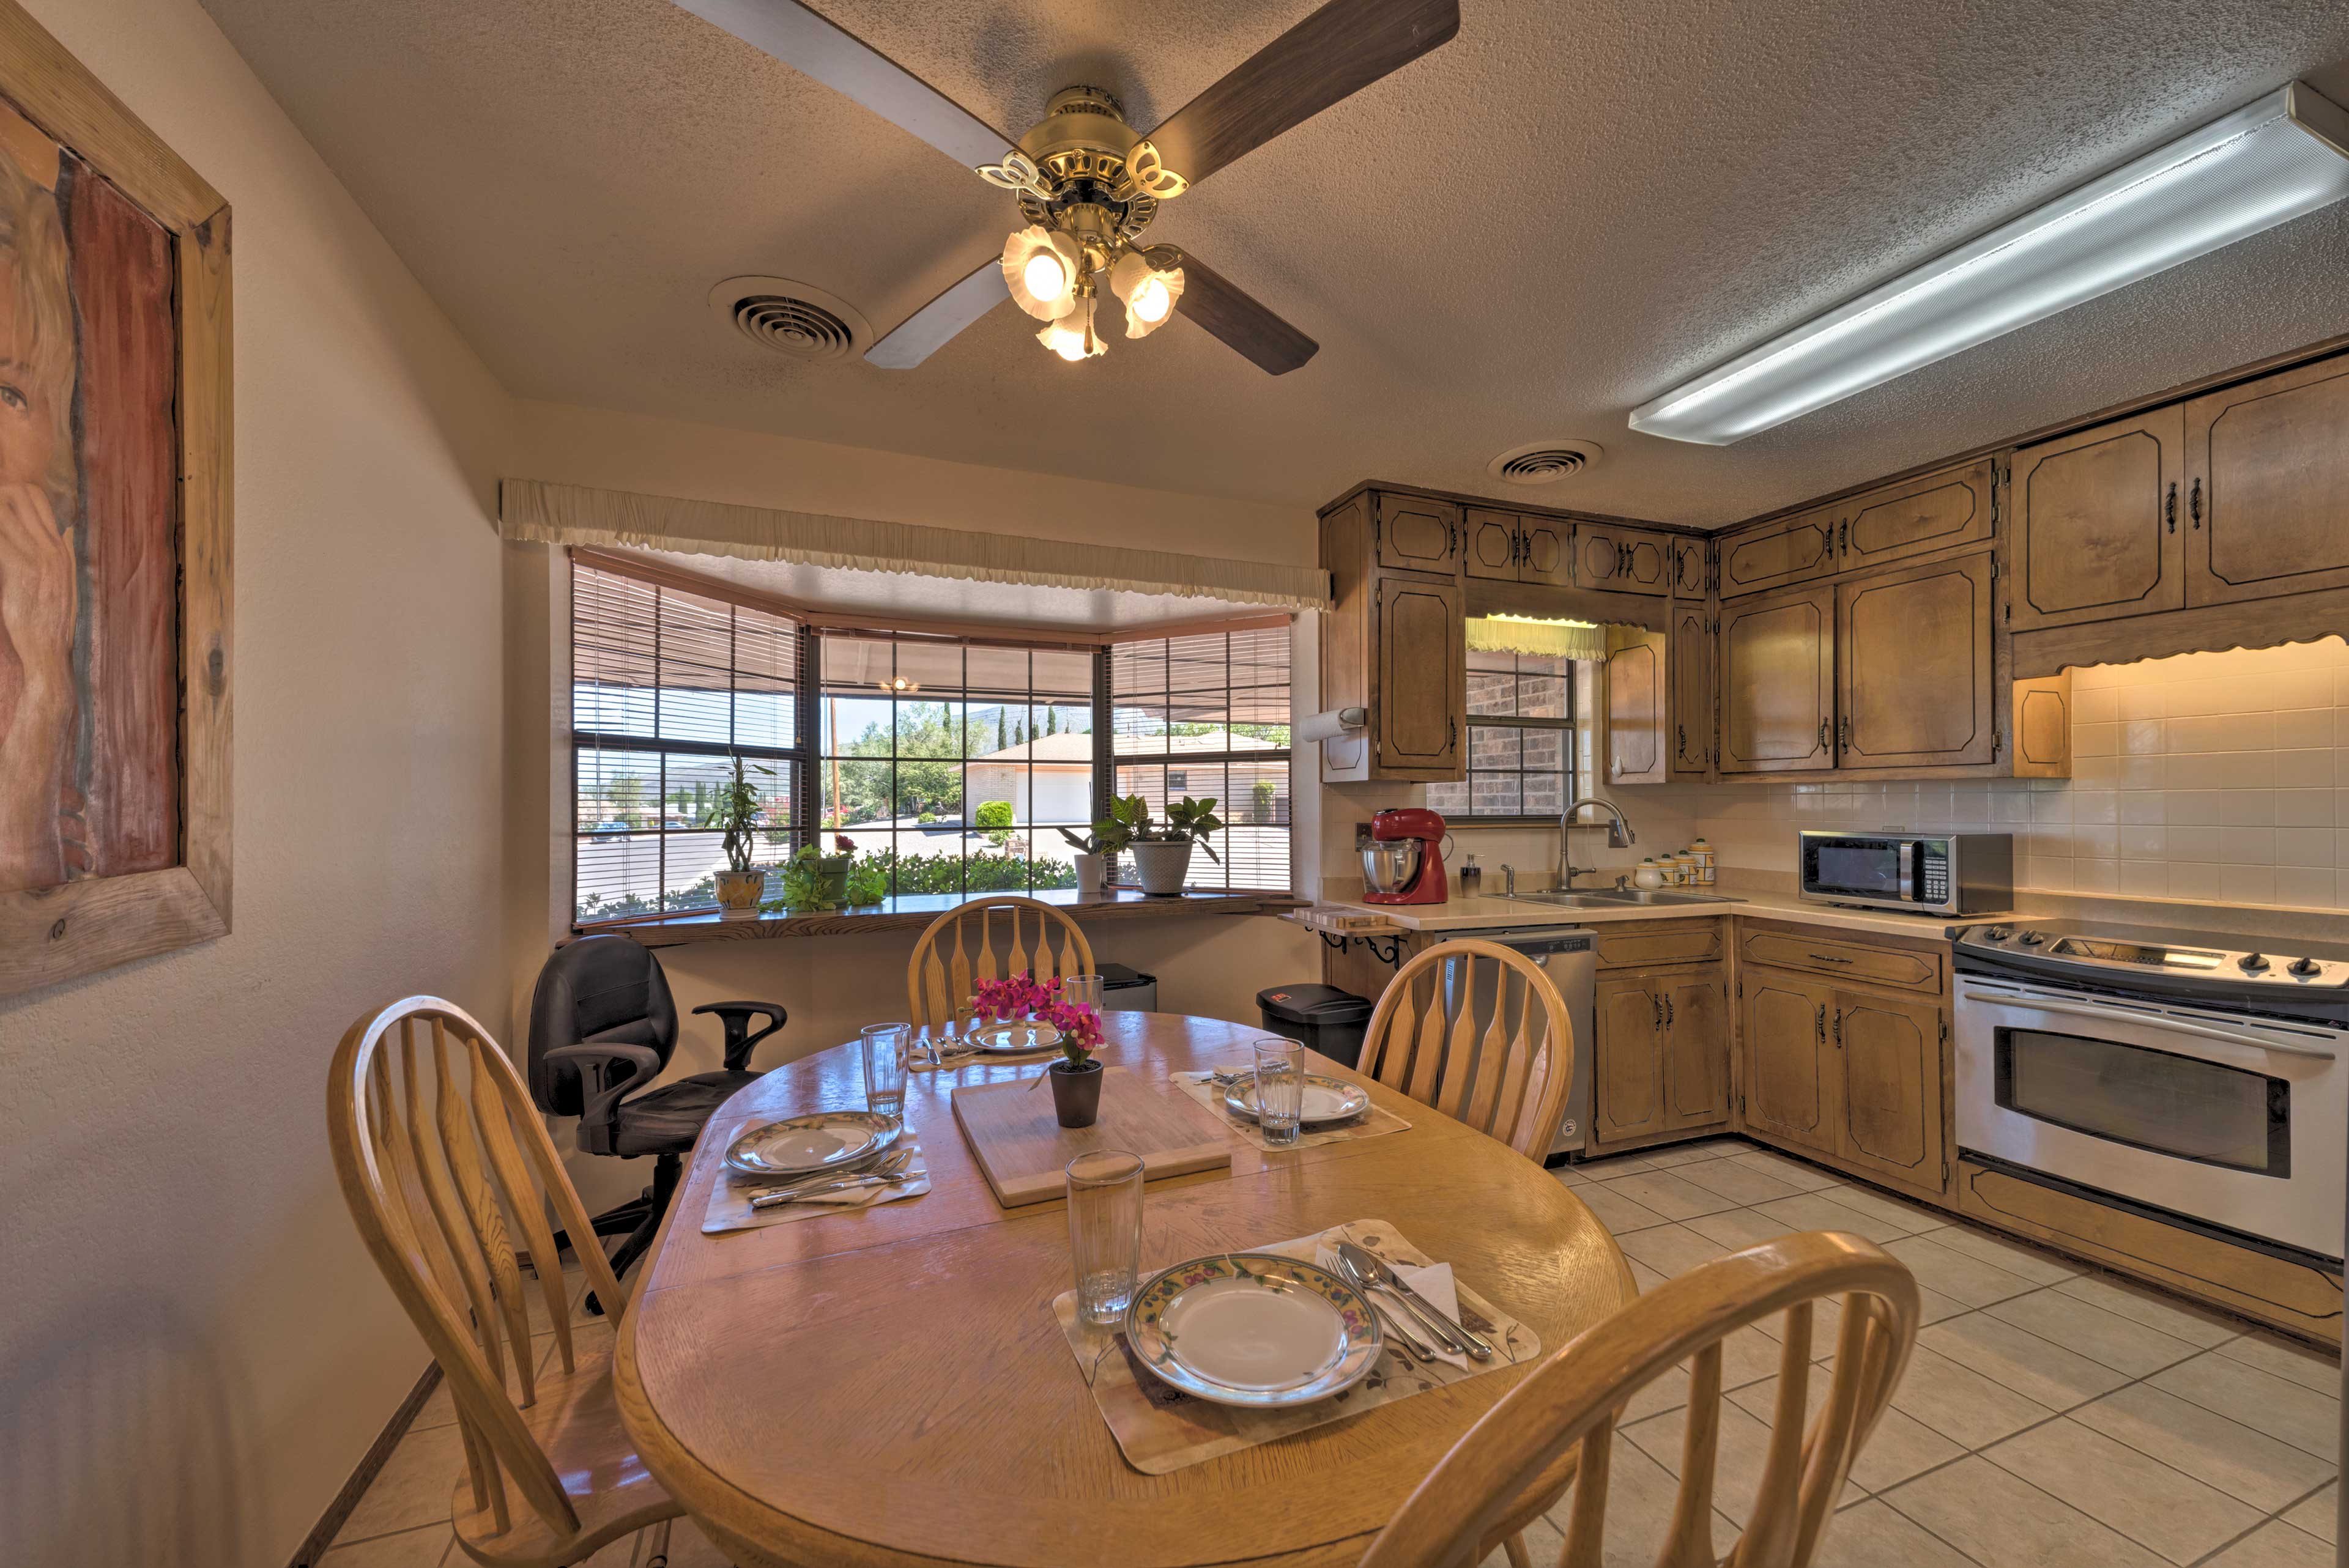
point(1023, 1151)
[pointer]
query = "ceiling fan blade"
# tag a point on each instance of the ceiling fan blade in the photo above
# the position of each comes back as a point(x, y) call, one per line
point(847, 65)
point(926, 331)
point(1331, 54)
point(1216, 302)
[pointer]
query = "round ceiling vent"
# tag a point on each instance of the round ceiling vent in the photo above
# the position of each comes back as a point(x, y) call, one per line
point(1544, 462)
point(792, 318)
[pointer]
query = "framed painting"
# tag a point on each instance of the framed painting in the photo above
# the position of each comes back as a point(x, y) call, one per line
point(114, 529)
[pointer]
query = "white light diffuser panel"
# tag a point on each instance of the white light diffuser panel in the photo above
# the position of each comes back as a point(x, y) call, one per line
point(2265, 164)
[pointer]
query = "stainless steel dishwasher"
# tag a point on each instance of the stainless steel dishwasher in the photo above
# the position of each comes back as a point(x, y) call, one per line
point(1566, 955)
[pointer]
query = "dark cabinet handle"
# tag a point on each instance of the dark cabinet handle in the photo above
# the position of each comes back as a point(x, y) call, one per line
point(1843, 536)
point(1823, 734)
point(1668, 1012)
point(1824, 958)
point(1843, 734)
point(1656, 1006)
point(1821, 1024)
point(2195, 507)
point(1838, 1028)
point(2171, 506)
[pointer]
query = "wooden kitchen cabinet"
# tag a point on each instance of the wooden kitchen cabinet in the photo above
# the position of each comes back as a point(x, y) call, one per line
point(1508, 547)
point(1927, 515)
point(1688, 678)
point(1638, 743)
point(1414, 533)
point(2267, 470)
point(1692, 569)
point(1621, 560)
point(1660, 1048)
point(1889, 1054)
point(2096, 522)
point(1779, 554)
point(1776, 669)
point(1421, 649)
point(1914, 671)
point(1788, 1062)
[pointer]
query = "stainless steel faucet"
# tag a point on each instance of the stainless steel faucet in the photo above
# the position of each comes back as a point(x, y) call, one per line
point(1508, 881)
point(1619, 836)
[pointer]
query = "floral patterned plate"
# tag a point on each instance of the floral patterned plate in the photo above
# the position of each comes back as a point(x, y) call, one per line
point(1253, 1329)
point(821, 1140)
point(1326, 1100)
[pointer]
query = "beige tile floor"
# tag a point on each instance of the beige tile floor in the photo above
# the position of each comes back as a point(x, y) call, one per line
point(2054, 1417)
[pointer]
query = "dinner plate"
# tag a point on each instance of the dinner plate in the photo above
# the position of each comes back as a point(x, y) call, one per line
point(821, 1140)
point(1326, 1100)
point(1253, 1329)
point(1015, 1038)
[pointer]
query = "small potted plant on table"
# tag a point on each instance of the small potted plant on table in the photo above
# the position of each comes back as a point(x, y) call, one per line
point(736, 814)
point(1162, 854)
point(1076, 1077)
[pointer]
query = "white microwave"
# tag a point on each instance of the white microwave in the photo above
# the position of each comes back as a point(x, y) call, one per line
point(1918, 873)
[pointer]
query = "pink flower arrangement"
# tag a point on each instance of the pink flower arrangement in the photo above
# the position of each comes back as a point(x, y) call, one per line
point(1023, 996)
point(1081, 1030)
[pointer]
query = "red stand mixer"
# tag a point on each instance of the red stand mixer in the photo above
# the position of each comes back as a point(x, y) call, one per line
point(1403, 860)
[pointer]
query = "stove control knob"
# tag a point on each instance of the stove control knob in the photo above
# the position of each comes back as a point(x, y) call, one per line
point(1998, 933)
point(2031, 938)
point(2251, 963)
point(2303, 967)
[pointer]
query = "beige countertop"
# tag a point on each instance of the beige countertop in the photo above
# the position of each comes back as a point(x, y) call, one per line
point(1488, 912)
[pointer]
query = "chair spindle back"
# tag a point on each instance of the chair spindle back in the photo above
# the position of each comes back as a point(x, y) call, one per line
point(1480, 1033)
point(939, 983)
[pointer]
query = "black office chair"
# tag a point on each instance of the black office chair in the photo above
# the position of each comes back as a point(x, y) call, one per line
point(604, 1025)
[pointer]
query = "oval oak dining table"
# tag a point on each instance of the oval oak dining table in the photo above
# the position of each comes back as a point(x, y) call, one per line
point(888, 1386)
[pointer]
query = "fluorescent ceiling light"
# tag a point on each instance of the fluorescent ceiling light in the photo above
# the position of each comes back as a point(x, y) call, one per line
point(2263, 165)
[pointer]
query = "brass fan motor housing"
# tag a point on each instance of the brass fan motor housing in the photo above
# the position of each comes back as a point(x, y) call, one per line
point(1081, 148)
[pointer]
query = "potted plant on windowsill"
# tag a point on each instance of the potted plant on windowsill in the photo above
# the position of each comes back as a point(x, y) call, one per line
point(736, 814)
point(1097, 852)
point(815, 881)
point(1162, 854)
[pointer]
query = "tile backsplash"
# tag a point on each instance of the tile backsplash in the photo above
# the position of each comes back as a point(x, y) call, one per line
point(2219, 777)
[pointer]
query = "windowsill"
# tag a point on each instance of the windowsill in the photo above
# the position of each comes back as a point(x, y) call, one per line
point(912, 912)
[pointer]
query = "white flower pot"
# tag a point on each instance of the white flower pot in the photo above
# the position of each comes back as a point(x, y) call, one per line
point(1162, 867)
point(1092, 872)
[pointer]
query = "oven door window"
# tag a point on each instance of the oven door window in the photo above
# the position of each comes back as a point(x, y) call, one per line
point(2180, 1106)
point(1859, 867)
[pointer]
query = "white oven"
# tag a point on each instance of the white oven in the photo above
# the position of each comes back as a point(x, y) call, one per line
point(2232, 1118)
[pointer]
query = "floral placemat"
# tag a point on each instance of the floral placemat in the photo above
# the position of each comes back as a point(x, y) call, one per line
point(730, 1198)
point(1160, 1428)
point(1202, 1087)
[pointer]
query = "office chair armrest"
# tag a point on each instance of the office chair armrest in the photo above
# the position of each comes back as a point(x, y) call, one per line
point(599, 1120)
point(735, 1017)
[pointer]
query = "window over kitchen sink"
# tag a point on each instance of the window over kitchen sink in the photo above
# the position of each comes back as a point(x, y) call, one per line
point(1520, 740)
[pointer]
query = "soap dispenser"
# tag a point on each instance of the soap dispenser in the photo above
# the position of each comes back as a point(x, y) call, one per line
point(1472, 878)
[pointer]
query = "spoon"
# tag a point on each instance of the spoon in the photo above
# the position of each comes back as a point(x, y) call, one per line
point(1451, 1335)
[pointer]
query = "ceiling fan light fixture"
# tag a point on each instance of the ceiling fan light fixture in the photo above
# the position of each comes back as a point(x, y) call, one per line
point(1148, 293)
point(1036, 258)
point(1073, 336)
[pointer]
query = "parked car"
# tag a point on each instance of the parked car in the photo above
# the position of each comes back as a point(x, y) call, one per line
point(615, 831)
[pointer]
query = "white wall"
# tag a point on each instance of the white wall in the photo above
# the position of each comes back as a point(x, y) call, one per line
point(196, 1350)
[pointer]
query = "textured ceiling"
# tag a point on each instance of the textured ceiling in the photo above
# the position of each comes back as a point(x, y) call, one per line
point(1564, 212)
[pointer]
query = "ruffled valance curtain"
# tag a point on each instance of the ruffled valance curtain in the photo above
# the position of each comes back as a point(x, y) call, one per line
point(577, 514)
point(1550, 639)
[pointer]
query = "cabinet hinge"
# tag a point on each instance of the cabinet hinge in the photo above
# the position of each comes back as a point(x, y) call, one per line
point(1740, 987)
point(1997, 741)
point(2010, 611)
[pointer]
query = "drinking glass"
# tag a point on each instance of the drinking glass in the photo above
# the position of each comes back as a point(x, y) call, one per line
point(1105, 1231)
point(883, 1046)
point(1081, 991)
point(1279, 1089)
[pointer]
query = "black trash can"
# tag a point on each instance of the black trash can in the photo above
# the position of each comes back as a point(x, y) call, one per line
point(1321, 1018)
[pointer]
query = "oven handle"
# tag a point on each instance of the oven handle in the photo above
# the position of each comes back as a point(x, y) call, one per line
point(2041, 1001)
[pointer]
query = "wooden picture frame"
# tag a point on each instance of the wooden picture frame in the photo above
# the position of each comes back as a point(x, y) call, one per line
point(53, 933)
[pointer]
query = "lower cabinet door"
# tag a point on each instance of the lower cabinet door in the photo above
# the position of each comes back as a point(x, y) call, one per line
point(1627, 1060)
point(1696, 1046)
point(1891, 1085)
point(1790, 1083)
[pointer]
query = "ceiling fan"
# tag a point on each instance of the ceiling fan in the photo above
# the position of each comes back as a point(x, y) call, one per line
point(1089, 184)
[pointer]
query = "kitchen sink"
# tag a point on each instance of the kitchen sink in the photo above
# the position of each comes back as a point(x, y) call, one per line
point(1615, 898)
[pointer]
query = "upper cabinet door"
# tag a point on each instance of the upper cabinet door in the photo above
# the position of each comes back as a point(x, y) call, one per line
point(2267, 470)
point(1913, 651)
point(1420, 637)
point(1931, 512)
point(1689, 573)
point(1493, 545)
point(1689, 672)
point(1777, 682)
point(1546, 550)
point(1638, 750)
point(1418, 535)
point(2096, 522)
point(1790, 550)
point(1621, 560)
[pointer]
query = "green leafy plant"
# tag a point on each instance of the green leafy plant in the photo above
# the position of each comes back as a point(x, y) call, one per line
point(1090, 843)
point(994, 818)
point(1129, 823)
point(736, 813)
point(802, 881)
point(1261, 801)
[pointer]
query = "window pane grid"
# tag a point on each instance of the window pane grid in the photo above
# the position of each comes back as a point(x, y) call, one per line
point(1519, 754)
point(1207, 715)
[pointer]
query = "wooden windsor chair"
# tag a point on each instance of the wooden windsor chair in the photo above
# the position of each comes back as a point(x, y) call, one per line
point(938, 985)
point(1571, 1401)
point(444, 1162)
point(1479, 1032)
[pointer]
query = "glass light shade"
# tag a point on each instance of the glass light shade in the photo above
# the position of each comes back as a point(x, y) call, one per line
point(2263, 165)
point(1073, 336)
point(1147, 293)
point(1036, 256)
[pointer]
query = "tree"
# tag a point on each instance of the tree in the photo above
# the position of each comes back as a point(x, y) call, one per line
point(1051, 721)
point(1002, 718)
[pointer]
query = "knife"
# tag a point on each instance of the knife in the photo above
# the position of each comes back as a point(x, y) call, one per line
point(1454, 1336)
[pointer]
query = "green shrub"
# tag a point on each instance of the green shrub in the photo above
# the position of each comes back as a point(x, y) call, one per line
point(993, 814)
